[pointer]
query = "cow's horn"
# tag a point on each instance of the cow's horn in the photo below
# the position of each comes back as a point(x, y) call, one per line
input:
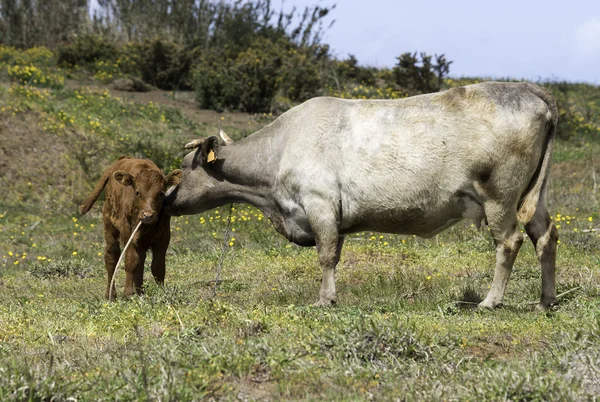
point(224, 136)
point(194, 144)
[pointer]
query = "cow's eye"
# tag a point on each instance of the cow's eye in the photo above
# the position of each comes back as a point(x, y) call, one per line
point(137, 193)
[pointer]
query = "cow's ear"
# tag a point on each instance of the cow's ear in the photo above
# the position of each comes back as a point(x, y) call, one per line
point(174, 178)
point(224, 137)
point(123, 178)
point(208, 150)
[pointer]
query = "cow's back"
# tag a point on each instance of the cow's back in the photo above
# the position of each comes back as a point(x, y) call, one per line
point(401, 160)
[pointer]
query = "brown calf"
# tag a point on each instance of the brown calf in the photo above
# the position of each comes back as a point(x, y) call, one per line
point(135, 190)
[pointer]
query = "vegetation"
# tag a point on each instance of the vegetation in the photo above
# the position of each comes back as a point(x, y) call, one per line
point(240, 55)
point(421, 75)
point(404, 327)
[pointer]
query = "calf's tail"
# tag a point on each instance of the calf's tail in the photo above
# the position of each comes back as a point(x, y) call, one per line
point(87, 205)
point(536, 191)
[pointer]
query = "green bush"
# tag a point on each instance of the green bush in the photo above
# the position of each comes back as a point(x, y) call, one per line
point(31, 75)
point(247, 82)
point(251, 80)
point(256, 70)
point(579, 109)
point(163, 64)
point(419, 74)
point(301, 76)
point(216, 87)
point(349, 70)
point(87, 49)
point(38, 56)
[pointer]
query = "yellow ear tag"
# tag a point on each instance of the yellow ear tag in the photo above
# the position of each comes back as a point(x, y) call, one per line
point(211, 157)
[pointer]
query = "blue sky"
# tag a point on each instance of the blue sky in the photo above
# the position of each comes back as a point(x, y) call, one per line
point(531, 39)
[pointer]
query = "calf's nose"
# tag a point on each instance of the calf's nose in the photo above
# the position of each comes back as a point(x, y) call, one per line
point(148, 215)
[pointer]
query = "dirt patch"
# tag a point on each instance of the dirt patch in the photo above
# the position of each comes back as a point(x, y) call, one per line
point(256, 389)
point(490, 350)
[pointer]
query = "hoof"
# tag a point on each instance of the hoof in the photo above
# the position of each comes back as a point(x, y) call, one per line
point(545, 306)
point(487, 306)
point(325, 303)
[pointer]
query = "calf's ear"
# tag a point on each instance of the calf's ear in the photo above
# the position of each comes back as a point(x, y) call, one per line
point(174, 178)
point(123, 178)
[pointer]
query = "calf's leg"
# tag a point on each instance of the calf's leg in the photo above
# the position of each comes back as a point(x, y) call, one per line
point(544, 236)
point(159, 252)
point(134, 270)
point(502, 221)
point(112, 251)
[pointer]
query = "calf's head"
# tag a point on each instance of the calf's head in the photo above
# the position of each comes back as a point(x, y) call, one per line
point(149, 189)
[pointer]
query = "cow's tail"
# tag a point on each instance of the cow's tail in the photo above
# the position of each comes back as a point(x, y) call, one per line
point(536, 190)
point(87, 205)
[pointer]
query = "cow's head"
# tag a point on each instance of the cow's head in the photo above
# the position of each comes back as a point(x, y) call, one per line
point(149, 189)
point(200, 167)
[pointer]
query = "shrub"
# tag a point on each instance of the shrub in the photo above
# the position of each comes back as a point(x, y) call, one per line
point(302, 74)
point(40, 56)
point(216, 87)
point(349, 70)
point(252, 79)
point(87, 49)
point(247, 83)
point(579, 107)
point(106, 71)
point(163, 64)
point(256, 70)
point(421, 75)
point(31, 75)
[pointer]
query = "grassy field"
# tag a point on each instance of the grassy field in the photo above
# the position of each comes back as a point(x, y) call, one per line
point(404, 328)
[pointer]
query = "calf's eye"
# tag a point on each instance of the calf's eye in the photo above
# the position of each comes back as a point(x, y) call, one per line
point(137, 193)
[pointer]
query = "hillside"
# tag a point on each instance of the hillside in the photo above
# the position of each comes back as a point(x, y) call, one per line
point(404, 326)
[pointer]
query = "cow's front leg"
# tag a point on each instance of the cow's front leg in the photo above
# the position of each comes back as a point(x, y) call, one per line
point(329, 251)
point(134, 270)
point(324, 224)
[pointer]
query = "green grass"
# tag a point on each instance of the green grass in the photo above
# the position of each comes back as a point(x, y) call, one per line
point(399, 328)
point(404, 327)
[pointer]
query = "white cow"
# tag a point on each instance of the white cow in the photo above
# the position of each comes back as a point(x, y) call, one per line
point(330, 167)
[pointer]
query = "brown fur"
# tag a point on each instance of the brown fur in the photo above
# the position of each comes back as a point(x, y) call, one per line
point(134, 191)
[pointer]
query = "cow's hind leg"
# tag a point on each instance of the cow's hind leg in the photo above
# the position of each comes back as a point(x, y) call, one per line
point(543, 234)
point(502, 221)
point(324, 225)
